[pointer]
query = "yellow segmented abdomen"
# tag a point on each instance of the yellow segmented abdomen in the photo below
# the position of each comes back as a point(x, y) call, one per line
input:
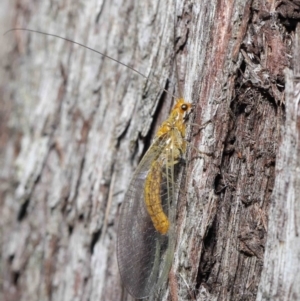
point(153, 199)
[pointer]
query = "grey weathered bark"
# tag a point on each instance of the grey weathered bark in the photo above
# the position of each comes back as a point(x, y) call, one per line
point(76, 126)
point(281, 274)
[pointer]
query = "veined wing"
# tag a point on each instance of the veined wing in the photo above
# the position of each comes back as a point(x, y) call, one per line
point(144, 254)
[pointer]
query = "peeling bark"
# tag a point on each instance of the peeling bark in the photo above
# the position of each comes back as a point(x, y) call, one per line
point(76, 126)
point(281, 274)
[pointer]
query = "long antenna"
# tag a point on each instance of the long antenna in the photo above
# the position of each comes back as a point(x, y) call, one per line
point(175, 54)
point(96, 51)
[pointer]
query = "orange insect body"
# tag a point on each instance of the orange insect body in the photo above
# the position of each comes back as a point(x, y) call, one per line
point(153, 199)
point(177, 146)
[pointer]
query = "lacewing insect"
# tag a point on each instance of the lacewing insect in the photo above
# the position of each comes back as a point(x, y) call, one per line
point(146, 227)
point(147, 222)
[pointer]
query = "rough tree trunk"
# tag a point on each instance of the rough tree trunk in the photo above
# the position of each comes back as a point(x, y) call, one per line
point(74, 126)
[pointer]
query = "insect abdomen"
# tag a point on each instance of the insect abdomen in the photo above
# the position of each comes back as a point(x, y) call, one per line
point(153, 200)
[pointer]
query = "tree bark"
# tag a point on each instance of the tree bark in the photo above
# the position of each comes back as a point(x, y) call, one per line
point(77, 124)
point(281, 274)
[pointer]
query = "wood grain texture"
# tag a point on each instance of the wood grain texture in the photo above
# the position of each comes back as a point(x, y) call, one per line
point(281, 274)
point(76, 126)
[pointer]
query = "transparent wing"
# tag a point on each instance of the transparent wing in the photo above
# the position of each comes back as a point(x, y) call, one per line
point(145, 255)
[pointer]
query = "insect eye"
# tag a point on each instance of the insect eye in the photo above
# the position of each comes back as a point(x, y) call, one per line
point(184, 107)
